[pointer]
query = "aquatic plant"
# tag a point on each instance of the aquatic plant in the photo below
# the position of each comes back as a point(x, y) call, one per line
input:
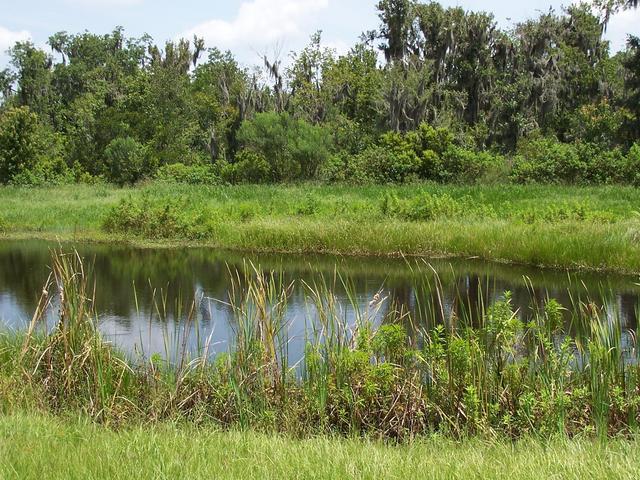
point(373, 370)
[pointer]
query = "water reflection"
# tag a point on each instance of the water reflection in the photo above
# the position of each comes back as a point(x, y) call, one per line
point(142, 294)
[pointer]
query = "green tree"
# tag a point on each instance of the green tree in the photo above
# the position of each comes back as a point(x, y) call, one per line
point(20, 143)
point(127, 161)
point(294, 148)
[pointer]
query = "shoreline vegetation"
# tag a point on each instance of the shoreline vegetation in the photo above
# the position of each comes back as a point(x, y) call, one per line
point(483, 372)
point(562, 227)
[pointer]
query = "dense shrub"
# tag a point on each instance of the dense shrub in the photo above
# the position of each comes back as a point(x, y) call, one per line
point(189, 174)
point(632, 165)
point(249, 167)
point(548, 161)
point(293, 148)
point(127, 161)
point(427, 153)
point(601, 124)
point(18, 145)
point(29, 152)
point(604, 166)
point(392, 161)
point(461, 165)
point(165, 220)
point(335, 168)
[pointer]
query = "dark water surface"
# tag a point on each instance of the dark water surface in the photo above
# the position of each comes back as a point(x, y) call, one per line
point(137, 320)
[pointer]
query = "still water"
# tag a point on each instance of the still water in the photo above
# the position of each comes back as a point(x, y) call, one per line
point(131, 284)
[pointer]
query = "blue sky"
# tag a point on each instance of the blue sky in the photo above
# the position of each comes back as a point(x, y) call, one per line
point(247, 27)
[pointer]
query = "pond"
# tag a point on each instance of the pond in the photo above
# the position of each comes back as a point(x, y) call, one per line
point(142, 295)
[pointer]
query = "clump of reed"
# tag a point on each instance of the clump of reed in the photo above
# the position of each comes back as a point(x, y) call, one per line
point(373, 370)
point(71, 365)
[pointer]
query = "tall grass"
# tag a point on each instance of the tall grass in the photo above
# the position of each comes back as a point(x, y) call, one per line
point(374, 370)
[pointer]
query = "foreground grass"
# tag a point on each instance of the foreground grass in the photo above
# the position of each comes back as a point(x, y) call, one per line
point(35, 446)
point(569, 227)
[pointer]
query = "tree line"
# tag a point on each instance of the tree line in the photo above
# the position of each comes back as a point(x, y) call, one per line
point(433, 93)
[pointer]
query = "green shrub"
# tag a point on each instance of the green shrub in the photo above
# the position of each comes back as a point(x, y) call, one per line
point(437, 140)
point(601, 124)
point(335, 169)
point(293, 148)
point(156, 221)
point(390, 343)
point(18, 146)
point(127, 161)
point(466, 166)
point(389, 162)
point(188, 174)
point(30, 153)
point(249, 167)
point(632, 165)
point(548, 161)
point(604, 166)
point(45, 172)
point(427, 153)
point(309, 206)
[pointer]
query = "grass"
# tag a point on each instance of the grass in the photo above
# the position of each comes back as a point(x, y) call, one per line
point(34, 446)
point(555, 226)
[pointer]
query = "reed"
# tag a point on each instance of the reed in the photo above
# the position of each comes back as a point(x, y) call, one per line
point(474, 368)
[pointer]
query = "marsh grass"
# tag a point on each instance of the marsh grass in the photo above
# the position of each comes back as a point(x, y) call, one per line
point(577, 227)
point(377, 371)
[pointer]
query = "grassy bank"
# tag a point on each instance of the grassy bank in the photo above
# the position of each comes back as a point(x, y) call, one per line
point(36, 446)
point(594, 227)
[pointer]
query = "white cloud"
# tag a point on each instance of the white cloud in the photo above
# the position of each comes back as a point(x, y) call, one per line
point(259, 23)
point(8, 38)
point(622, 24)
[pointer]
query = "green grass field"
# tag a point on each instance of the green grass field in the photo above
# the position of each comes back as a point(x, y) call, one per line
point(34, 447)
point(574, 227)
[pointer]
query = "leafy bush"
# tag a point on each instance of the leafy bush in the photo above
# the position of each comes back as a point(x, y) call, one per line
point(18, 146)
point(466, 166)
point(335, 169)
point(632, 165)
point(389, 162)
point(601, 124)
point(427, 153)
point(431, 138)
point(293, 148)
point(166, 220)
point(45, 172)
point(548, 161)
point(127, 161)
point(29, 152)
point(249, 167)
point(189, 174)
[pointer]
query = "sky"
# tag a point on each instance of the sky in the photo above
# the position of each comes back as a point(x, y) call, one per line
point(249, 28)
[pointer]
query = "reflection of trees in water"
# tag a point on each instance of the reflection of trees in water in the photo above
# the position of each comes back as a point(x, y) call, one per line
point(177, 274)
